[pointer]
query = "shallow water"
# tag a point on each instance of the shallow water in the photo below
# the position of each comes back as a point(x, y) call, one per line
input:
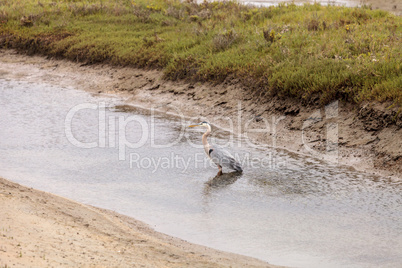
point(294, 211)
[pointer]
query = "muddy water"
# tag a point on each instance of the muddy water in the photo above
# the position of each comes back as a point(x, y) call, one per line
point(287, 209)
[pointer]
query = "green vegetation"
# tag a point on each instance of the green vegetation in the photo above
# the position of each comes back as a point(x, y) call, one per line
point(310, 52)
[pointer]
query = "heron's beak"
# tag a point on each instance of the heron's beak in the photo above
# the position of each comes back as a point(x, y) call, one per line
point(193, 126)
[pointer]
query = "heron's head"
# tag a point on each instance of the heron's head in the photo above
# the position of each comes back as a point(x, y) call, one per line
point(202, 124)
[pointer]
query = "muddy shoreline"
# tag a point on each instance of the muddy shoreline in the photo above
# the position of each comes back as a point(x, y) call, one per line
point(366, 137)
point(38, 229)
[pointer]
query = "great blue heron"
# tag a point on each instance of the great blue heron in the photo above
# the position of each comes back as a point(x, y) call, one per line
point(218, 155)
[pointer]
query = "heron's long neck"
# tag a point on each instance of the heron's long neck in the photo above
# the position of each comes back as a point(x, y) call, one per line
point(205, 141)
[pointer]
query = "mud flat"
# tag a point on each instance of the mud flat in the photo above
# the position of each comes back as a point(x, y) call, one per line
point(367, 136)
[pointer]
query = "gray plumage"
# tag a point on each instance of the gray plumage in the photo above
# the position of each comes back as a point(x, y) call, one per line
point(223, 158)
point(218, 155)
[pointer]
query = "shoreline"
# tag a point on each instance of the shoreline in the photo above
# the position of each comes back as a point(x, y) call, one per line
point(312, 53)
point(39, 229)
point(367, 136)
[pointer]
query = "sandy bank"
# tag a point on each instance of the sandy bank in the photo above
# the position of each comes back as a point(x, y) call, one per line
point(38, 229)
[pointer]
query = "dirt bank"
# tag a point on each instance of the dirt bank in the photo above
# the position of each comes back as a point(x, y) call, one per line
point(38, 229)
point(366, 136)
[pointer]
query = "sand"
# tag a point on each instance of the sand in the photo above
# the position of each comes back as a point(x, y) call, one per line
point(38, 229)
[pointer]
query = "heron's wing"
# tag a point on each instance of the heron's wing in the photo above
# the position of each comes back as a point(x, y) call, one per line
point(224, 158)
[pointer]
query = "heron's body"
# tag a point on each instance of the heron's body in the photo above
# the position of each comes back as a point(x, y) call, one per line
point(219, 156)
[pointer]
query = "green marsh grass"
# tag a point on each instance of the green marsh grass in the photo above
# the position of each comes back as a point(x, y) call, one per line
point(311, 52)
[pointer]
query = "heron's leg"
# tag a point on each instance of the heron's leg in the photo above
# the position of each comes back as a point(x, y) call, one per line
point(220, 171)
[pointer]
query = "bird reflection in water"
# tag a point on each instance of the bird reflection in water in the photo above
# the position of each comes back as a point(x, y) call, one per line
point(221, 181)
